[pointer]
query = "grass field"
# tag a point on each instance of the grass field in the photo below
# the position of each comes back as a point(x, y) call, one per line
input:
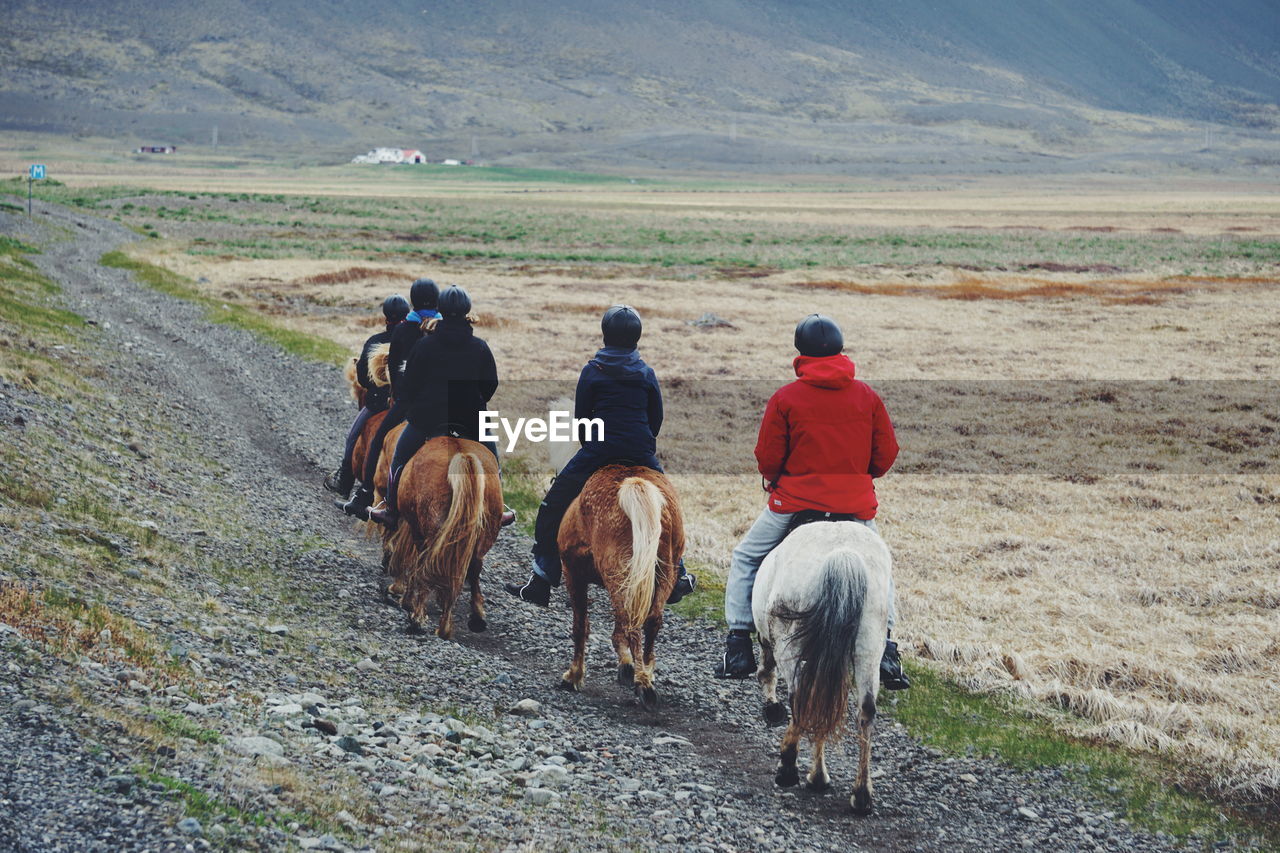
point(1142, 600)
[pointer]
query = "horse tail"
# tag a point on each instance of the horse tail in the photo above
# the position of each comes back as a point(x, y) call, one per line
point(455, 543)
point(380, 365)
point(824, 635)
point(642, 503)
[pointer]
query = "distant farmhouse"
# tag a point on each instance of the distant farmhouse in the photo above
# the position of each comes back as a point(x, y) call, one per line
point(391, 155)
point(156, 149)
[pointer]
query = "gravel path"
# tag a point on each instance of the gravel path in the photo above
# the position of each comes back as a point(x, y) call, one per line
point(323, 703)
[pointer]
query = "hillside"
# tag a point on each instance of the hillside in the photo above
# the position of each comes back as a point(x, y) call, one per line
point(733, 83)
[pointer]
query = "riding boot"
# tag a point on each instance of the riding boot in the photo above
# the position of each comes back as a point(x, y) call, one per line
point(536, 590)
point(891, 675)
point(508, 516)
point(359, 504)
point(340, 481)
point(388, 515)
point(685, 583)
point(739, 656)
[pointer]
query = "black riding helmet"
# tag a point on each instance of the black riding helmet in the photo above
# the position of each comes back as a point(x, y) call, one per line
point(424, 294)
point(818, 336)
point(454, 302)
point(621, 327)
point(395, 308)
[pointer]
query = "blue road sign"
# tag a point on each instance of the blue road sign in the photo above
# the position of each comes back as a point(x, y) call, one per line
point(37, 171)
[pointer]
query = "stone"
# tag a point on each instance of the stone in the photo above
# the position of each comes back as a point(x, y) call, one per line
point(283, 710)
point(278, 630)
point(257, 745)
point(550, 776)
point(350, 744)
point(671, 741)
point(541, 796)
point(969, 777)
point(190, 826)
point(527, 708)
point(1028, 813)
point(325, 726)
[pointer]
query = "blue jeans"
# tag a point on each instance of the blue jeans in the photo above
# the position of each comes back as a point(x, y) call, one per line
point(765, 534)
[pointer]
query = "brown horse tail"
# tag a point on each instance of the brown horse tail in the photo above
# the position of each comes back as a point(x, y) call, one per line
point(642, 503)
point(380, 365)
point(455, 544)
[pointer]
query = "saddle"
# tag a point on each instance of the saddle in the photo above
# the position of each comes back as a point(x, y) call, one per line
point(808, 516)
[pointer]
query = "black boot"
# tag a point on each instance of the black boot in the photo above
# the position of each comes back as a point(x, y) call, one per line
point(340, 481)
point(685, 584)
point(891, 675)
point(536, 590)
point(359, 504)
point(739, 656)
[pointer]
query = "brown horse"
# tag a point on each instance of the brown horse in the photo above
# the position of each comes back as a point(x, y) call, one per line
point(624, 532)
point(379, 372)
point(450, 502)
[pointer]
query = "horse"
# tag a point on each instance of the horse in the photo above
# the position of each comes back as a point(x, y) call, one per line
point(626, 533)
point(450, 502)
point(379, 372)
point(821, 604)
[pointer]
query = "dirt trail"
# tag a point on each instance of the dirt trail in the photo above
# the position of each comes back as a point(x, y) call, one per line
point(275, 423)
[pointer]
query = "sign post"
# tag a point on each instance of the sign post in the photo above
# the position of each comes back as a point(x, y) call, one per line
point(35, 173)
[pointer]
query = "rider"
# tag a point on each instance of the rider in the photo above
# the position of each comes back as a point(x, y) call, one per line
point(620, 389)
point(423, 295)
point(394, 310)
point(823, 439)
point(448, 380)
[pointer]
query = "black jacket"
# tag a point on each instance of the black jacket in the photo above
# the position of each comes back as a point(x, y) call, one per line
point(403, 339)
point(375, 396)
point(620, 389)
point(448, 380)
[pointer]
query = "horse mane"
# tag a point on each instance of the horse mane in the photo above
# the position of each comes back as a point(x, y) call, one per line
point(379, 365)
point(825, 633)
point(642, 503)
point(349, 372)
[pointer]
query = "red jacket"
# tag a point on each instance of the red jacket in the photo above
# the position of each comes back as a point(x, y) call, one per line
point(823, 438)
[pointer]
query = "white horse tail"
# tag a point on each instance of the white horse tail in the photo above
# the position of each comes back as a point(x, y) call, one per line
point(642, 503)
point(824, 635)
point(455, 542)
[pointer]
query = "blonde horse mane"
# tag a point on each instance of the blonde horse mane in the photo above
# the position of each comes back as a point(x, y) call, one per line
point(642, 503)
point(379, 365)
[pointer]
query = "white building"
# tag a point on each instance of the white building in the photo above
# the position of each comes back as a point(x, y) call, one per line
point(391, 155)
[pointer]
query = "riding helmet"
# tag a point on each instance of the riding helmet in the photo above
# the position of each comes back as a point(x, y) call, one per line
point(424, 294)
point(454, 302)
point(621, 327)
point(818, 336)
point(395, 308)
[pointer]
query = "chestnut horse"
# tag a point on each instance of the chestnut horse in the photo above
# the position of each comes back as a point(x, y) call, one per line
point(450, 502)
point(624, 532)
point(379, 372)
point(821, 604)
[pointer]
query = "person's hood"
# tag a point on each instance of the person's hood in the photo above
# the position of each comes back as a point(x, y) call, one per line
point(421, 315)
point(829, 371)
point(453, 330)
point(619, 362)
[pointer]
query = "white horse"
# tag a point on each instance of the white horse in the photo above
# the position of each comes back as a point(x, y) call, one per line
point(821, 605)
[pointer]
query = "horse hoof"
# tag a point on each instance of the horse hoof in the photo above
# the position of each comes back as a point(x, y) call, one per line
point(415, 629)
point(861, 802)
point(775, 713)
point(648, 698)
point(787, 777)
point(477, 624)
point(818, 786)
point(566, 684)
point(626, 674)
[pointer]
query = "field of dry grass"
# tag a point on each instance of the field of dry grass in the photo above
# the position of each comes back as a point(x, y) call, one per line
point(1142, 598)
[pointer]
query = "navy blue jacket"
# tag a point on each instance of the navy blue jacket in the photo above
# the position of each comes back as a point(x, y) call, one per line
point(403, 339)
point(620, 389)
point(448, 380)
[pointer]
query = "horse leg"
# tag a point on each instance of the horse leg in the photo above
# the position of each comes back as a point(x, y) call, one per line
point(626, 665)
point(644, 679)
point(861, 799)
point(445, 629)
point(775, 713)
point(572, 679)
point(818, 780)
point(787, 774)
point(476, 622)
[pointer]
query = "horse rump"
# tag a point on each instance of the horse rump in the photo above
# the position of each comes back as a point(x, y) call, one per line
point(823, 636)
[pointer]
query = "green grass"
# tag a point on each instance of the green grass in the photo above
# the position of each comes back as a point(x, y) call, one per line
point(182, 726)
point(299, 344)
point(954, 720)
point(209, 809)
point(31, 325)
point(707, 599)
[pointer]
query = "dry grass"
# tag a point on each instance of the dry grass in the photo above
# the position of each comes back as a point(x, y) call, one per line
point(1143, 603)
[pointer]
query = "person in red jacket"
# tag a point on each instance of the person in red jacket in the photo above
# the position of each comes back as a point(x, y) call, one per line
point(824, 438)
